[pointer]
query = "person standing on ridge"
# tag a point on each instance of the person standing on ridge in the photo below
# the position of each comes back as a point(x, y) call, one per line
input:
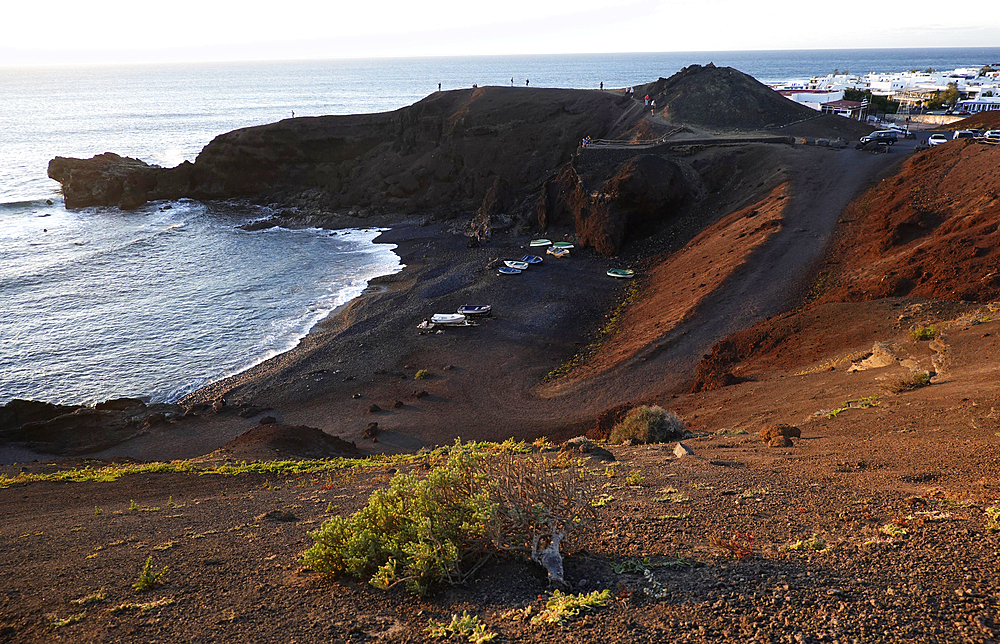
point(511, 81)
point(602, 86)
point(439, 87)
point(526, 81)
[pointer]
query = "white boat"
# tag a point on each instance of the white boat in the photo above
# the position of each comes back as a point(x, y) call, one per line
point(558, 252)
point(513, 263)
point(448, 319)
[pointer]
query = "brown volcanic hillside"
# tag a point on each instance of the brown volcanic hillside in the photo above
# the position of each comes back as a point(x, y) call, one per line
point(982, 121)
point(722, 98)
point(930, 231)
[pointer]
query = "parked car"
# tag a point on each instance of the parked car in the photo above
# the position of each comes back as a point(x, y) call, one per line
point(884, 136)
point(937, 139)
point(964, 134)
point(992, 134)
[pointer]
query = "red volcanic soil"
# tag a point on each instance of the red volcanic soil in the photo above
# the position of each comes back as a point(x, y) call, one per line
point(929, 231)
point(982, 121)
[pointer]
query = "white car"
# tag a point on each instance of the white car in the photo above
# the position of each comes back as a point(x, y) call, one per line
point(937, 139)
point(992, 134)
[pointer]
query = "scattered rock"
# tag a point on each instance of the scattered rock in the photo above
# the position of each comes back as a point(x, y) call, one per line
point(371, 431)
point(420, 394)
point(276, 515)
point(882, 355)
point(681, 450)
point(769, 432)
point(268, 420)
point(780, 441)
point(398, 404)
point(374, 409)
point(584, 445)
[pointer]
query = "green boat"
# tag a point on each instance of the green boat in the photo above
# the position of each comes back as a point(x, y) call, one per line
point(623, 273)
point(535, 243)
point(565, 245)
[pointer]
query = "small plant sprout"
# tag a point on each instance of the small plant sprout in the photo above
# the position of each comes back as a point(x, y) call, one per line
point(543, 444)
point(814, 543)
point(133, 506)
point(72, 619)
point(739, 546)
point(148, 578)
point(98, 511)
point(635, 478)
point(96, 596)
point(561, 608)
point(464, 626)
point(993, 518)
point(145, 606)
point(610, 471)
point(601, 501)
point(632, 565)
point(422, 375)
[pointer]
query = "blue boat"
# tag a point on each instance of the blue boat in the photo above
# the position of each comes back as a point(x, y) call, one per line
point(474, 309)
point(532, 259)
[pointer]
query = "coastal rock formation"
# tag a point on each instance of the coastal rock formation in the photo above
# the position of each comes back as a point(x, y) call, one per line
point(73, 430)
point(112, 180)
point(444, 153)
point(500, 156)
point(639, 196)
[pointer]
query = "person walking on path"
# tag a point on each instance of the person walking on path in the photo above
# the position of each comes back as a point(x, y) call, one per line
point(647, 100)
point(652, 112)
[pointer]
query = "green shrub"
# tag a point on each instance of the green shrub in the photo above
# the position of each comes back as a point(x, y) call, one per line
point(414, 532)
point(422, 374)
point(923, 333)
point(561, 608)
point(648, 425)
point(464, 626)
point(420, 532)
point(908, 383)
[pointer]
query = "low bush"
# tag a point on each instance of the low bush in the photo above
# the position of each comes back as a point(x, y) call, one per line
point(908, 383)
point(440, 529)
point(648, 425)
point(923, 333)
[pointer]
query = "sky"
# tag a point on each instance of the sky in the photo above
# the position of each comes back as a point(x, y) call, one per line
point(122, 31)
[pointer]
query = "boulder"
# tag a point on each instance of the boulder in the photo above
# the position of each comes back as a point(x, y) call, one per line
point(769, 432)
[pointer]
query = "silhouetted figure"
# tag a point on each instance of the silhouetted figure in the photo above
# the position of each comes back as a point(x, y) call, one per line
point(602, 86)
point(526, 81)
point(439, 87)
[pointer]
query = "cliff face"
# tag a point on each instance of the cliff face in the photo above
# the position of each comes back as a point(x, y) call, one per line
point(444, 152)
point(503, 154)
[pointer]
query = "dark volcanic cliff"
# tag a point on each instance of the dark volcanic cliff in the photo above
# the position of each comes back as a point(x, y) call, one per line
point(444, 152)
point(505, 155)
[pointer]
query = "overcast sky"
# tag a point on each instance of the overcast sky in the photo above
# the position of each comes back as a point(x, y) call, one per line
point(101, 31)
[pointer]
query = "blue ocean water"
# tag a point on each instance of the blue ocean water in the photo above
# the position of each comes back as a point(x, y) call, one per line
point(97, 303)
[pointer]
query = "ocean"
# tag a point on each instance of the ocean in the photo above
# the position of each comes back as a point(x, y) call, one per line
point(97, 303)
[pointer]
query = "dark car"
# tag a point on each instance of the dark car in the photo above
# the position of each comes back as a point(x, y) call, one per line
point(883, 136)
